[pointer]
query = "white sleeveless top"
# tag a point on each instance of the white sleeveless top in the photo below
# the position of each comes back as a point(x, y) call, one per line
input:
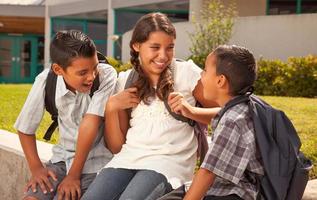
point(156, 141)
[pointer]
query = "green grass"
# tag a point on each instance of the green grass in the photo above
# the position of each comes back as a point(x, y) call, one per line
point(301, 111)
point(12, 98)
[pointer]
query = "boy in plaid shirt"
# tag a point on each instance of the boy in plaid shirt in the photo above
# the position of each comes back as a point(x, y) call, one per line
point(233, 160)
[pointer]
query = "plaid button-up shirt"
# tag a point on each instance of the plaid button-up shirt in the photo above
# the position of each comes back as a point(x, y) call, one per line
point(231, 153)
point(71, 109)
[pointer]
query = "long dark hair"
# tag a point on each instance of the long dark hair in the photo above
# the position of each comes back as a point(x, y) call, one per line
point(144, 27)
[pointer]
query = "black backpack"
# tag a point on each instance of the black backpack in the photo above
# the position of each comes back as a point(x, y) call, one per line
point(286, 169)
point(200, 130)
point(50, 91)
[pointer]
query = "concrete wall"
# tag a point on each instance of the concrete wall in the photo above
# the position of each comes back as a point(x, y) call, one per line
point(270, 37)
point(277, 36)
point(14, 170)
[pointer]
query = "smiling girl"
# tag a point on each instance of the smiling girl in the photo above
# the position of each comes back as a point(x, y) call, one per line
point(153, 152)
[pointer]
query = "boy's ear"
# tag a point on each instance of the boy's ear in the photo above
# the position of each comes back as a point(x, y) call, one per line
point(222, 81)
point(136, 47)
point(57, 69)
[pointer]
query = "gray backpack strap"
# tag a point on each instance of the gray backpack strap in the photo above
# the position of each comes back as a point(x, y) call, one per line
point(132, 78)
point(177, 116)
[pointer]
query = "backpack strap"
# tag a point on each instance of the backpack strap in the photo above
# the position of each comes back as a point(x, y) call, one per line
point(244, 96)
point(102, 58)
point(95, 86)
point(177, 116)
point(237, 100)
point(133, 77)
point(50, 106)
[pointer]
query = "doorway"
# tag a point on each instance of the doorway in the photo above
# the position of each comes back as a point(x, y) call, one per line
point(20, 58)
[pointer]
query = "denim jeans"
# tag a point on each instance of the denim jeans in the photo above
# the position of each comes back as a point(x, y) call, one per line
point(229, 197)
point(127, 184)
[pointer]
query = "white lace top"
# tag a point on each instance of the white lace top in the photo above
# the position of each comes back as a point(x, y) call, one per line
point(156, 141)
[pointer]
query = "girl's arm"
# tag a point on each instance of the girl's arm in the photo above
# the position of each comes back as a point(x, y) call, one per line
point(117, 119)
point(116, 127)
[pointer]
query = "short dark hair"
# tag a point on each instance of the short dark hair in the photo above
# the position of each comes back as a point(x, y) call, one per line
point(67, 45)
point(238, 65)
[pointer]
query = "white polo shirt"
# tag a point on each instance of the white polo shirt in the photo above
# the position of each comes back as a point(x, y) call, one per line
point(71, 109)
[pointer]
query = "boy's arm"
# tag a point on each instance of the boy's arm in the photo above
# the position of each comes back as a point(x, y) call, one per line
point(179, 105)
point(88, 130)
point(26, 127)
point(40, 174)
point(204, 115)
point(227, 158)
point(87, 133)
point(202, 182)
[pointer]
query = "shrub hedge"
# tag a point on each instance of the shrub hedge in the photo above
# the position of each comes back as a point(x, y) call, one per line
point(297, 77)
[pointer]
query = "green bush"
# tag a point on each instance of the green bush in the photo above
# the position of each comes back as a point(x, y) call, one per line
point(297, 77)
point(118, 65)
point(301, 76)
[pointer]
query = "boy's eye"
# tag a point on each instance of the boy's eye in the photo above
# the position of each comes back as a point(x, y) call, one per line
point(153, 47)
point(82, 73)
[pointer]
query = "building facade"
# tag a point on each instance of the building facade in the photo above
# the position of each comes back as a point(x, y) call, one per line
point(21, 43)
point(270, 28)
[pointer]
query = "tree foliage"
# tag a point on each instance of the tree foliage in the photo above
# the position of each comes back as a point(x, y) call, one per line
point(213, 27)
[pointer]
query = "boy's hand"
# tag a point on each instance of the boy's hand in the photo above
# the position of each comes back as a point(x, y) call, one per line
point(128, 98)
point(41, 177)
point(69, 188)
point(178, 104)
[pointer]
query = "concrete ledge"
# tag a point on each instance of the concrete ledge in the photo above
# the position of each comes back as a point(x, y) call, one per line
point(311, 190)
point(14, 171)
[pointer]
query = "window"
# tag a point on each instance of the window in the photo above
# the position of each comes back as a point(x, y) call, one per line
point(280, 7)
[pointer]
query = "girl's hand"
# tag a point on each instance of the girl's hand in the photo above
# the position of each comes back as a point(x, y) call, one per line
point(128, 98)
point(179, 105)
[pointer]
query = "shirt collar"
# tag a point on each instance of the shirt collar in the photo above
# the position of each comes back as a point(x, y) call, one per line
point(61, 89)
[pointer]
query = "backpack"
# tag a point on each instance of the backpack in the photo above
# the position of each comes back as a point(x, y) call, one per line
point(50, 91)
point(286, 168)
point(200, 130)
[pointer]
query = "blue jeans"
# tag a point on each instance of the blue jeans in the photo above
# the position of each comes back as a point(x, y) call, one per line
point(127, 184)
